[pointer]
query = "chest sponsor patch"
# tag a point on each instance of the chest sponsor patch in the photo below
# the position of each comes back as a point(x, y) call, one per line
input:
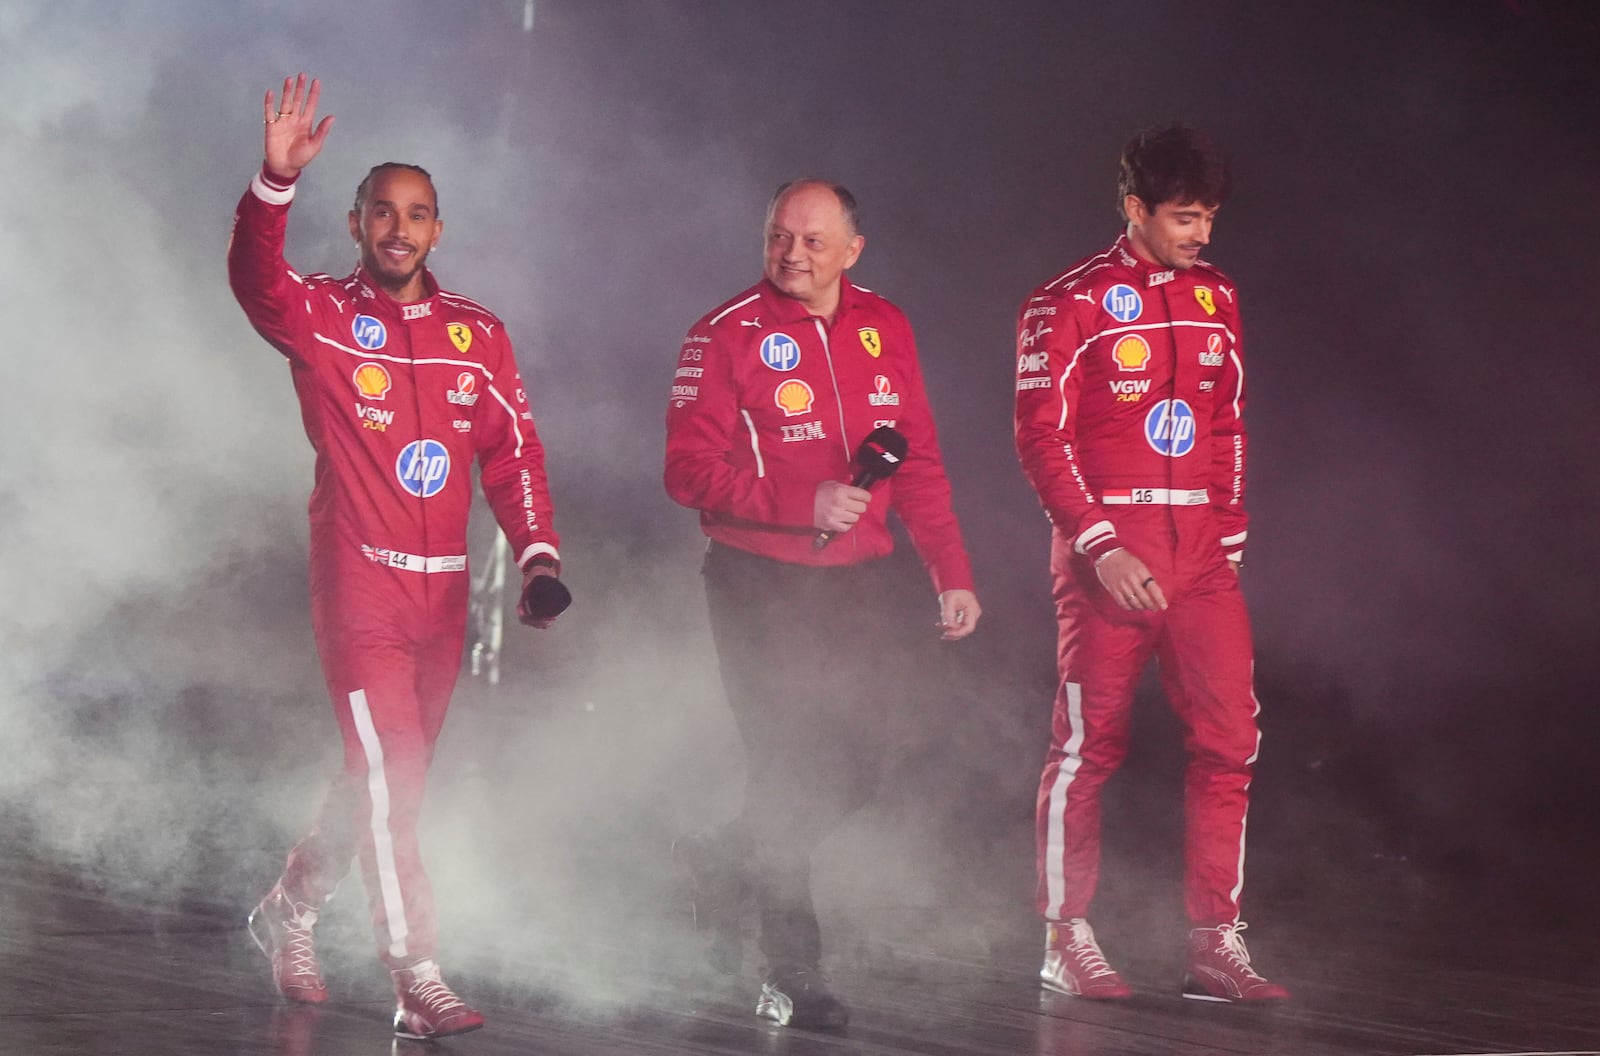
point(884, 396)
point(805, 431)
point(1131, 352)
point(420, 310)
point(1212, 356)
point(1130, 390)
point(375, 418)
point(368, 332)
point(871, 341)
point(372, 380)
point(780, 351)
point(423, 468)
point(1169, 427)
point(794, 397)
point(460, 335)
point(464, 394)
point(1123, 303)
point(1203, 295)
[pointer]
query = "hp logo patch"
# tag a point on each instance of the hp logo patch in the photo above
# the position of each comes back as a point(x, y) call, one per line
point(780, 352)
point(368, 332)
point(423, 467)
point(1123, 302)
point(1170, 428)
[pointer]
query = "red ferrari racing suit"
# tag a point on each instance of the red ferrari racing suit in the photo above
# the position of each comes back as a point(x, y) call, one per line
point(1130, 395)
point(397, 400)
point(769, 401)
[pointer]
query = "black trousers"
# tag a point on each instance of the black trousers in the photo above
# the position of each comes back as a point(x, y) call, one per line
point(813, 668)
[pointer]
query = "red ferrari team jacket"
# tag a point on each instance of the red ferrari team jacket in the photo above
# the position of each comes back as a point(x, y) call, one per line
point(1130, 392)
point(397, 400)
point(770, 401)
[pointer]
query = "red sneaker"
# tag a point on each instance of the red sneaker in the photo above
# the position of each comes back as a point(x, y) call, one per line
point(1219, 969)
point(426, 1008)
point(1073, 963)
point(281, 927)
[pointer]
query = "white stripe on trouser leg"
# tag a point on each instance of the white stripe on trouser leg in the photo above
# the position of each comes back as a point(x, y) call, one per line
point(1055, 879)
point(394, 907)
point(1244, 822)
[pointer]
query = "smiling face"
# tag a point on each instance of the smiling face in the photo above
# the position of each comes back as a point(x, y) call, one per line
point(809, 245)
point(1172, 234)
point(396, 227)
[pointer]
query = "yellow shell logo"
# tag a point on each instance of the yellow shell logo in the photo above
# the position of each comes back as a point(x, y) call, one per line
point(1131, 353)
point(1203, 295)
point(372, 381)
point(460, 336)
point(794, 397)
point(871, 341)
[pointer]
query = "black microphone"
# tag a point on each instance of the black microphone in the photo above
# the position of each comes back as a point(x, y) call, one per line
point(544, 598)
point(879, 455)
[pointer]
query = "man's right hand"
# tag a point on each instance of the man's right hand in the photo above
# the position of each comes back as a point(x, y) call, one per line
point(1130, 582)
point(291, 141)
point(838, 506)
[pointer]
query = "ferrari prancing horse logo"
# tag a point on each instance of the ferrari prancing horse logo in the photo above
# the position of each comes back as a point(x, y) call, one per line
point(871, 341)
point(1203, 295)
point(460, 336)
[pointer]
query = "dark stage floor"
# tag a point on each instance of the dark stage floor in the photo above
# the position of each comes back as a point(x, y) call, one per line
point(89, 972)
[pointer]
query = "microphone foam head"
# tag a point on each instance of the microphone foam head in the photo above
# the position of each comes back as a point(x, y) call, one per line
point(882, 451)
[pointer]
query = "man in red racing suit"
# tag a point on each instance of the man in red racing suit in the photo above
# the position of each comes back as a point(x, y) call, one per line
point(773, 393)
point(401, 384)
point(1129, 424)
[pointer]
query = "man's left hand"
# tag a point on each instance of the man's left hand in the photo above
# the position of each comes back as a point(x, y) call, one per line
point(958, 614)
point(534, 570)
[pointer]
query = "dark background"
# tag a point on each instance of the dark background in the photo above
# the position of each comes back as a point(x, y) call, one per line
point(1413, 230)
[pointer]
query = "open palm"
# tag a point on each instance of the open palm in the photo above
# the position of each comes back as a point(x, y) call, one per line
point(292, 136)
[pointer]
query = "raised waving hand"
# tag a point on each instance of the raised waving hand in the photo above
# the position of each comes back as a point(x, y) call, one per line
point(291, 141)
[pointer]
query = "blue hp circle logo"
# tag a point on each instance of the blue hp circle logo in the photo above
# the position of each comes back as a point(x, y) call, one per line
point(423, 467)
point(1123, 302)
point(780, 352)
point(1170, 428)
point(368, 332)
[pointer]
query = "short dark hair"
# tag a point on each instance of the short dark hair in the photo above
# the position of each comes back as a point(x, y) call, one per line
point(847, 201)
point(364, 188)
point(1174, 163)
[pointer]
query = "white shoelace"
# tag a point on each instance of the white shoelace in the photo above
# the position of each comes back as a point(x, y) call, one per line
point(427, 987)
point(1086, 951)
point(1233, 946)
point(302, 955)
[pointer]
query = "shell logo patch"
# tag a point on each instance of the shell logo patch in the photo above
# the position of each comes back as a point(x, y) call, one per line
point(1131, 352)
point(794, 397)
point(1203, 295)
point(372, 380)
point(460, 336)
point(871, 341)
